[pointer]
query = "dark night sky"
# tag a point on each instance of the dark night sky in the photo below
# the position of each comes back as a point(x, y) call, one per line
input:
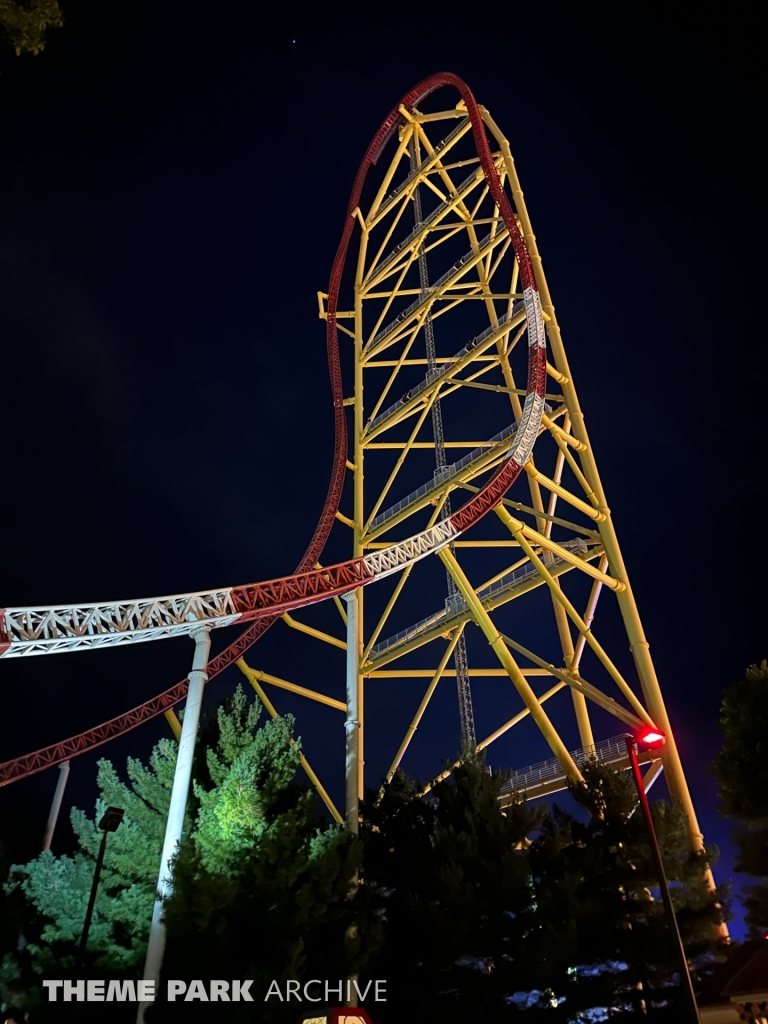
point(171, 198)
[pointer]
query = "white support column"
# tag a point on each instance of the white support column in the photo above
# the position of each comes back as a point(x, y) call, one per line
point(56, 805)
point(352, 758)
point(177, 810)
point(352, 724)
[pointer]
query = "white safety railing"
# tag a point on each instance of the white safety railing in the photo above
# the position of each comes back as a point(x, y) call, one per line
point(476, 175)
point(445, 370)
point(609, 750)
point(455, 607)
point(492, 237)
point(446, 474)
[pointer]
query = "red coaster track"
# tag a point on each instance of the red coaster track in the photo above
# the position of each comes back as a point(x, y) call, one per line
point(338, 579)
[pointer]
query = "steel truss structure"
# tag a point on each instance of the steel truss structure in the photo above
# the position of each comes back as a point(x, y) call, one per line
point(461, 388)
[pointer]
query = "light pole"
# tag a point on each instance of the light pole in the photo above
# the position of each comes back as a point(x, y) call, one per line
point(110, 822)
point(654, 738)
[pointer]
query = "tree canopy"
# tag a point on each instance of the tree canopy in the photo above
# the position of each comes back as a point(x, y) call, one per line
point(261, 883)
point(468, 901)
point(452, 878)
point(261, 889)
point(492, 910)
point(56, 889)
point(24, 24)
point(742, 772)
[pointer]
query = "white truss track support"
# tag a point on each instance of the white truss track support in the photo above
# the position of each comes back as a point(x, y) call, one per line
point(429, 542)
point(66, 628)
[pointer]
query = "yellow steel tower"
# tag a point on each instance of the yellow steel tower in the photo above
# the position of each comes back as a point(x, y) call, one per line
point(436, 331)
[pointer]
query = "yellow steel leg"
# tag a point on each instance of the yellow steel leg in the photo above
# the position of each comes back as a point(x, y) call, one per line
point(639, 646)
point(304, 762)
point(502, 652)
point(173, 720)
point(423, 706)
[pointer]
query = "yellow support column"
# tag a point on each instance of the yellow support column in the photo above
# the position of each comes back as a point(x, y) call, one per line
point(173, 720)
point(322, 793)
point(423, 706)
point(579, 700)
point(355, 606)
point(502, 652)
point(639, 646)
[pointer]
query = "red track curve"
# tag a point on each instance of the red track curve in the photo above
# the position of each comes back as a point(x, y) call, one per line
point(39, 760)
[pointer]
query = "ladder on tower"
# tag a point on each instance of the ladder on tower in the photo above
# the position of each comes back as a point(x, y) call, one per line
point(460, 660)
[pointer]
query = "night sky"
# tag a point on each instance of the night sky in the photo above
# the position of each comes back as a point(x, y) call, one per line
point(172, 196)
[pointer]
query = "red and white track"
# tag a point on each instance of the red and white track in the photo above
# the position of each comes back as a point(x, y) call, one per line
point(33, 631)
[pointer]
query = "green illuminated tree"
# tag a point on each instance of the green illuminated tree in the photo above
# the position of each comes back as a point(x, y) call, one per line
point(24, 24)
point(742, 771)
point(261, 887)
point(254, 855)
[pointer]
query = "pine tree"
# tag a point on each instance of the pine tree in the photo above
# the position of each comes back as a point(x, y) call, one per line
point(248, 770)
point(261, 885)
point(452, 879)
point(59, 887)
point(56, 890)
point(742, 770)
point(492, 911)
point(597, 934)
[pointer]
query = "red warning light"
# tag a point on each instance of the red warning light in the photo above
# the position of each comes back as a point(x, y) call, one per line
point(651, 737)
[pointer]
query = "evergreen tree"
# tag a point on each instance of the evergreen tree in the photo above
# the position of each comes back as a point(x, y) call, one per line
point(261, 887)
point(452, 878)
point(56, 889)
point(496, 911)
point(742, 770)
point(597, 934)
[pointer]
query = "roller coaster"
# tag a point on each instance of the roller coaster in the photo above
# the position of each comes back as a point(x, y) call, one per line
point(448, 309)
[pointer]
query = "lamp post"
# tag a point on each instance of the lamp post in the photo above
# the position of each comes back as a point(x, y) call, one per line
point(110, 822)
point(654, 738)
